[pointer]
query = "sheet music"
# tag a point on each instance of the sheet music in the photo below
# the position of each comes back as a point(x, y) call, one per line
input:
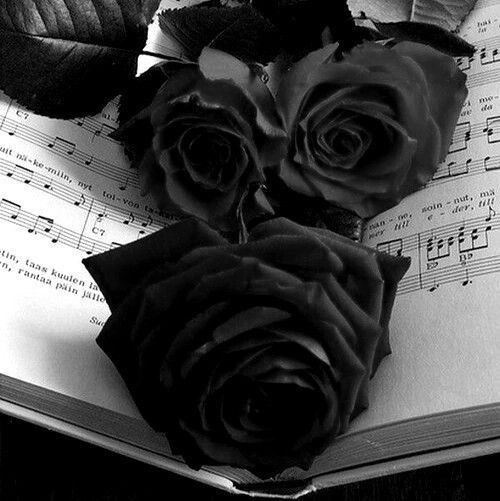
point(66, 192)
point(445, 331)
point(450, 227)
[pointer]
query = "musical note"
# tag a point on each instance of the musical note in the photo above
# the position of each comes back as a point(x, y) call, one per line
point(438, 248)
point(12, 209)
point(123, 186)
point(102, 213)
point(464, 63)
point(89, 249)
point(20, 173)
point(147, 222)
point(393, 247)
point(42, 223)
point(130, 219)
point(487, 57)
point(63, 144)
point(461, 137)
point(81, 201)
point(491, 214)
point(12, 130)
point(458, 169)
point(493, 129)
point(96, 128)
point(56, 237)
point(467, 280)
point(475, 240)
point(486, 163)
point(105, 130)
point(25, 174)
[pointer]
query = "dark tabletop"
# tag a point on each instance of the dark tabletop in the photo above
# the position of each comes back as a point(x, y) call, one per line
point(37, 464)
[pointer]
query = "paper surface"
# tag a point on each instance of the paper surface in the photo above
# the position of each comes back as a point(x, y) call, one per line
point(66, 192)
point(445, 331)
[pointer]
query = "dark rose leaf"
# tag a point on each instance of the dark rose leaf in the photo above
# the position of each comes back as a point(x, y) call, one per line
point(240, 31)
point(65, 62)
point(301, 22)
point(255, 355)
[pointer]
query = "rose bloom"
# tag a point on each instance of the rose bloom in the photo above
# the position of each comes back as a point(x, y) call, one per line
point(254, 355)
point(370, 129)
point(211, 128)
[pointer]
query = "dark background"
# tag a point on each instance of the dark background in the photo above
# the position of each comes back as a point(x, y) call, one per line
point(37, 464)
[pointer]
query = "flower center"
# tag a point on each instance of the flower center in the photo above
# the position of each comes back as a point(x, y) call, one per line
point(209, 151)
point(209, 158)
point(343, 142)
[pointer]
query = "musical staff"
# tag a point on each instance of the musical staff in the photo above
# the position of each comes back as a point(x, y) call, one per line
point(466, 131)
point(74, 197)
point(96, 128)
point(69, 152)
point(471, 229)
point(431, 280)
point(449, 171)
point(35, 223)
point(483, 78)
point(452, 252)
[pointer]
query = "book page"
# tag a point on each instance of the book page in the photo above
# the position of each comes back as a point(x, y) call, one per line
point(66, 192)
point(445, 331)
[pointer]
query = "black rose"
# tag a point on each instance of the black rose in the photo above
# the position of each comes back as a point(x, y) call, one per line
point(253, 355)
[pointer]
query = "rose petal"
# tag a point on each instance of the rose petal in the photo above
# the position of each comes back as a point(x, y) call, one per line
point(297, 180)
point(295, 83)
point(446, 82)
point(213, 449)
point(207, 206)
point(252, 278)
point(217, 65)
point(302, 253)
point(120, 270)
point(247, 320)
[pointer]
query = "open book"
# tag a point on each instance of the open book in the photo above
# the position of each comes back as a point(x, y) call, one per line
point(67, 191)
